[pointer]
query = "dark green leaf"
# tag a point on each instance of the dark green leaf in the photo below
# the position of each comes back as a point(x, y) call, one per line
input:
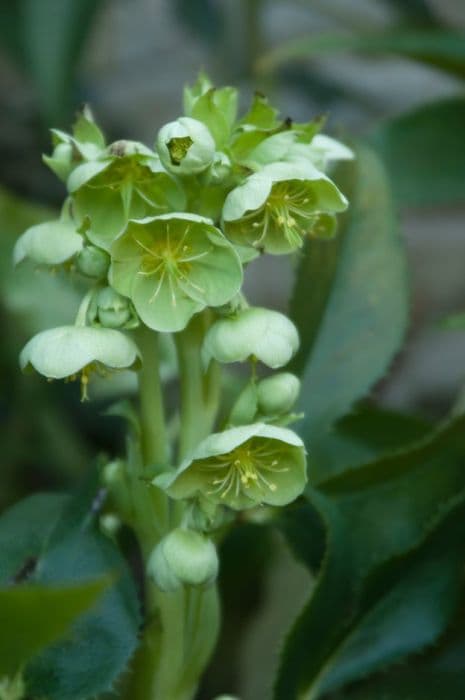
point(444, 50)
point(396, 521)
point(24, 530)
point(424, 152)
point(350, 337)
point(32, 617)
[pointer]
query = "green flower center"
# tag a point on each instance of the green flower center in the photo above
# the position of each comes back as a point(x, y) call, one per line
point(290, 209)
point(170, 260)
point(249, 465)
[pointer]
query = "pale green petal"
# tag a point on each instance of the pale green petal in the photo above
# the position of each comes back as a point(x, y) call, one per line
point(251, 195)
point(50, 243)
point(161, 305)
point(62, 352)
point(85, 172)
point(262, 333)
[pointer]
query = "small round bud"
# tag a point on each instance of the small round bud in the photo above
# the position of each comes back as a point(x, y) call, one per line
point(185, 146)
point(278, 394)
point(110, 524)
point(113, 473)
point(93, 262)
point(220, 169)
point(183, 557)
point(113, 310)
point(226, 697)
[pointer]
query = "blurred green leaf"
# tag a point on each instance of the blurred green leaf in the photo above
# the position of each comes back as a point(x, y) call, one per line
point(46, 38)
point(443, 50)
point(103, 641)
point(353, 328)
point(360, 437)
point(399, 522)
point(33, 617)
point(424, 152)
point(24, 529)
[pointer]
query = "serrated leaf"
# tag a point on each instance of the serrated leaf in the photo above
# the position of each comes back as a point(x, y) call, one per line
point(424, 152)
point(383, 516)
point(354, 332)
point(103, 640)
point(32, 617)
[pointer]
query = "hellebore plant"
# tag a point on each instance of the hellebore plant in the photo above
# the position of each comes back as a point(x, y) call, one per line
point(160, 240)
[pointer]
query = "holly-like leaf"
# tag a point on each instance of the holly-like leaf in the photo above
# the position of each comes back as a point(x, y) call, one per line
point(389, 579)
point(351, 331)
point(33, 617)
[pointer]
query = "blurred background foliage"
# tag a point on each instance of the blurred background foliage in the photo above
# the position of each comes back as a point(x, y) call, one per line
point(385, 72)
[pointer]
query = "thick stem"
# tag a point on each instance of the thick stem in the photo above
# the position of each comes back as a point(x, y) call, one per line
point(152, 413)
point(199, 389)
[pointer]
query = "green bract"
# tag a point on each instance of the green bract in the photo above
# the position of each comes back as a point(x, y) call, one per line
point(278, 206)
point(242, 467)
point(64, 352)
point(128, 182)
point(266, 335)
point(173, 266)
point(183, 558)
point(50, 243)
point(186, 146)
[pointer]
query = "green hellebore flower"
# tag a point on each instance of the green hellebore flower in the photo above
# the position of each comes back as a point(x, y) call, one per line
point(50, 243)
point(266, 335)
point(128, 183)
point(173, 266)
point(186, 146)
point(277, 394)
point(278, 206)
point(183, 558)
point(65, 352)
point(242, 467)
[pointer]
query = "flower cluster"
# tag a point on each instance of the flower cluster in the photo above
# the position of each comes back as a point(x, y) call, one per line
point(163, 236)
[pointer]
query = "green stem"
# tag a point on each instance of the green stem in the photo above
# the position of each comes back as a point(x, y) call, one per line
point(152, 413)
point(199, 389)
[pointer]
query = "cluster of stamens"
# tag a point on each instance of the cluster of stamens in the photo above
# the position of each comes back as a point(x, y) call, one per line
point(169, 260)
point(250, 465)
point(84, 376)
point(289, 208)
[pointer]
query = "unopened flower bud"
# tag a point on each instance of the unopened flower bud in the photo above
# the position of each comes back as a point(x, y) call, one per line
point(110, 524)
point(113, 473)
point(278, 394)
point(93, 262)
point(220, 169)
point(113, 310)
point(183, 557)
point(185, 146)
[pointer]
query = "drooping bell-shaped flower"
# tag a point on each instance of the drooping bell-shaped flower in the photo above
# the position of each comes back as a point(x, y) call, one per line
point(69, 351)
point(173, 266)
point(183, 558)
point(127, 182)
point(241, 468)
point(263, 334)
point(277, 207)
point(50, 243)
point(277, 394)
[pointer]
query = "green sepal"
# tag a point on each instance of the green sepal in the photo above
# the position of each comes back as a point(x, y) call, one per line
point(50, 243)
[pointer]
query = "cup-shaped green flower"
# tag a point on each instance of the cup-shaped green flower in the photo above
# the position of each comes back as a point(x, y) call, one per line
point(128, 182)
point(71, 351)
point(263, 334)
point(242, 467)
point(50, 243)
point(277, 207)
point(183, 558)
point(173, 266)
point(277, 394)
point(186, 146)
